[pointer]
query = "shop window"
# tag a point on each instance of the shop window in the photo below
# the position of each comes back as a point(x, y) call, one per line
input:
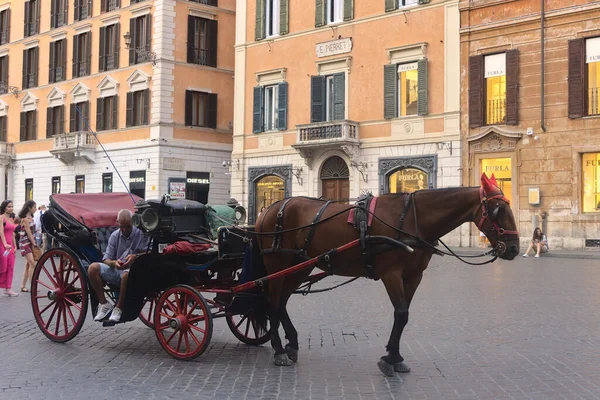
point(197, 185)
point(28, 189)
point(55, 184)
point(268, 190)
point(80, 184)
point(107, 182)
point(593, 78)
point(408, 180)
point(591, 182)
point(137, 183)
point(502, 170)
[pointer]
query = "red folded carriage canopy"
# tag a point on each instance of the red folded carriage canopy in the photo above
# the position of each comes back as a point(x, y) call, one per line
point(95, 210)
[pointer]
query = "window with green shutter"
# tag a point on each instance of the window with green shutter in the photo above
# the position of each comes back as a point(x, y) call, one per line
point(405, 89)
point(391, 5)
point(328, 98)
point(272, 18)
point(270, 108)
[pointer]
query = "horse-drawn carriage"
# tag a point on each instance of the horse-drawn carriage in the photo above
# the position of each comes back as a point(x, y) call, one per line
point(203, 265)
point(188, 285)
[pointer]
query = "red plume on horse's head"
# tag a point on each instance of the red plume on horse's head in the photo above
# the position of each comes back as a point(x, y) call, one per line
point(490, 185)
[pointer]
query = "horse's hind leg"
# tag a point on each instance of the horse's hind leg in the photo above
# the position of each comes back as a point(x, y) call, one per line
point(275, 289)
point(393, 361)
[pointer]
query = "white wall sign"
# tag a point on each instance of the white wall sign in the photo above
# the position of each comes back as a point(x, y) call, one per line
point(592, 50)
point(408, 67)
point(334, 47)
point(495, 65)
point(173, 163)
point(201, 181)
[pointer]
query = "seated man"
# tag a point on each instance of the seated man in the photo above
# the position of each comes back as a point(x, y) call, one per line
point(124, 245)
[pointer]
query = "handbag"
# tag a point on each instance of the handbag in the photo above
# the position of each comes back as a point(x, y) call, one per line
point(37, 253)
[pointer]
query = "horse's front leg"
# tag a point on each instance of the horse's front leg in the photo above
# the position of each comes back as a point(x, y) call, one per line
point(393, 361)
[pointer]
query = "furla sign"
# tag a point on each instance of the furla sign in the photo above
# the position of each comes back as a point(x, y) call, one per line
point(334, 47)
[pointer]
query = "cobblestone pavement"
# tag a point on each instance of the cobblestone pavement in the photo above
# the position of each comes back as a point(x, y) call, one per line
point(528, 329)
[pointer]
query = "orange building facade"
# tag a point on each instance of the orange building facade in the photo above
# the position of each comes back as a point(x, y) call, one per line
point(338, 98)
point(530, 79)
point(148, 81)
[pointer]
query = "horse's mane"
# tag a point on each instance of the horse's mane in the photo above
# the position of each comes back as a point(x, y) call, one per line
point(436, 190)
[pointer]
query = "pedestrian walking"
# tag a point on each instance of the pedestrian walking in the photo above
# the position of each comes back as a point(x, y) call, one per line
point(7, 248)
point(27, 241)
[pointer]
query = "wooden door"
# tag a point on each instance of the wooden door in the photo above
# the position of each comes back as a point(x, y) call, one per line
point(336, 190)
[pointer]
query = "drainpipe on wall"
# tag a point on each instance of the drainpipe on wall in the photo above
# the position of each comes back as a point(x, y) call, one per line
point(543, 79)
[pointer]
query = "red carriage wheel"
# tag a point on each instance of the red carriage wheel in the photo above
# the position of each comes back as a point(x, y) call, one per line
point(183, 322)
point(147, 313)
point(59, 295)
point(246, 329)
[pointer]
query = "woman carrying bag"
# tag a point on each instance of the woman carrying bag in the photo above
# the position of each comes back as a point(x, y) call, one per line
point(27, 244)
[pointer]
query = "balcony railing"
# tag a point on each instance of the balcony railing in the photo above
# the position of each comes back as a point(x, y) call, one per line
point(200, 56)
point(75, 141)
point(207, 2)
point(327, 131)
point(496, 112)
point(594, 101)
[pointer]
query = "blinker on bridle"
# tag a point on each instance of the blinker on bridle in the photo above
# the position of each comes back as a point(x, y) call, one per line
point(484, 198)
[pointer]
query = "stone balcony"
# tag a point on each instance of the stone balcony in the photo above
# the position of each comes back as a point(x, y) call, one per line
point(7, 153)
point(69, 147)
point(342, 135)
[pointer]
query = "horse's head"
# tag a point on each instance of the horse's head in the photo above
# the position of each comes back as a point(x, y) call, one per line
point(495, 219)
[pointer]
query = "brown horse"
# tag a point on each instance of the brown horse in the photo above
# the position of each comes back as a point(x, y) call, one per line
point(428, 216)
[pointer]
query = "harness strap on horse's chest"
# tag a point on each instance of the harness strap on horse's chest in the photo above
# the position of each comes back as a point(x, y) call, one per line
point(279, 224)
point(311, 233)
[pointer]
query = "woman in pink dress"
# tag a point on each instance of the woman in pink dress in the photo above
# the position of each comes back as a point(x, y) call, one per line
point(7, 248)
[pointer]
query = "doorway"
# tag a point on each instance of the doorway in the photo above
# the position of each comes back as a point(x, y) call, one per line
point(335, 180)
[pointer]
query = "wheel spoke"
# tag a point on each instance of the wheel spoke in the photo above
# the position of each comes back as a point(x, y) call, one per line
point(179, 341)
point(256, 329)
point(203, 331)
point(188, 315)
point(247, 328)
point(163, 327)
point(43, 284)
point(196, 319)
point(51, 316)
point(71, 315)
point(73, 293)
point(165, 315)
point(171, 306)
point(241, 322)
point(55, 270)
point(171, 337)
point(48, 306)
point(73, 304)
point(195, 338)
point(49, 277)
point(74, 280)
point(57, 320)
point(187, 343)
point(185, 304)
point(65, 318)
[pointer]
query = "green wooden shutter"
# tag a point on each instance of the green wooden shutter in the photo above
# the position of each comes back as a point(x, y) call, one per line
point(115, 112)
point(320, 12)
point(282, 103)
point(37, 16)
point(339, 96)
point(146, 110)
point(24, 82)
point(36, 60)
point(65, 12)
point(72, 118)
point(512, 87)
point(259, 30)
point(53, 13)
point(132, 54)
point(424, 1)
point(6, 33)
point(116, 44)
point(23, 133)
point(62, 119)
point(191, 44)
point(284, 17)
point(53, 60)
point(88, 55)
point(27, 20)
point(257, 110)
point(348, 10)
point(4, 77)
point(212, 31)
point(391, 5)
point(4, 137)
point(212, 110)
point(102, 52)
point(49, 120)
point(129, 114)
point(76, 40)
point(188, 107)
point(148, 35)
point(34, 135)
point(422, 101)
point(99, 114)
point(576, 78)
point(390, 91)
point(317, 98)
point(76, 11)
point(63, 60)
point(476, 84)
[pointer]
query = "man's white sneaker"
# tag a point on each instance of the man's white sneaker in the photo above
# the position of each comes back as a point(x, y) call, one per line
point(116, 315)
point(103, 310)
point(537, 256)
point(525, 256)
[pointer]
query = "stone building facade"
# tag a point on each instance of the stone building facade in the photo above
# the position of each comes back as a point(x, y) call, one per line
point(530, 73)
point(153, 79)
point(337, 98)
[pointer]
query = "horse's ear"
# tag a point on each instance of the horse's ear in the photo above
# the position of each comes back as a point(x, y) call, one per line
point(494, 181)
point(488, 185)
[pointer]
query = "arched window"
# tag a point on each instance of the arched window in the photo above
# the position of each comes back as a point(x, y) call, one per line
point(335, 168)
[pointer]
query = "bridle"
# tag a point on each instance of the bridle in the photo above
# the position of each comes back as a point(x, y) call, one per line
point(500, 246)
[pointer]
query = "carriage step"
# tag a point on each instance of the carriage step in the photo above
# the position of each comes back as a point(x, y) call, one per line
point(108, 323)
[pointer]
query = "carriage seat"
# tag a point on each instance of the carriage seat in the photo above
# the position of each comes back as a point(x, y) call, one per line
point(102, 235)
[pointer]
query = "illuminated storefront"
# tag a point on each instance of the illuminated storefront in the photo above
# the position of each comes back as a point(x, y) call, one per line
point(267, 185)
point(591, 182)
point(502, 170)
point(407, 174)
point(268, 190)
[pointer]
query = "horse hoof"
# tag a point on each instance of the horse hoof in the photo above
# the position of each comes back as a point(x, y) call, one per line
point(291, 353)
point(283, 360)
point(387, 369)
point(401, 368)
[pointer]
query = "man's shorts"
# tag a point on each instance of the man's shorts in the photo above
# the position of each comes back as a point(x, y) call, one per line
point(111, 275)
